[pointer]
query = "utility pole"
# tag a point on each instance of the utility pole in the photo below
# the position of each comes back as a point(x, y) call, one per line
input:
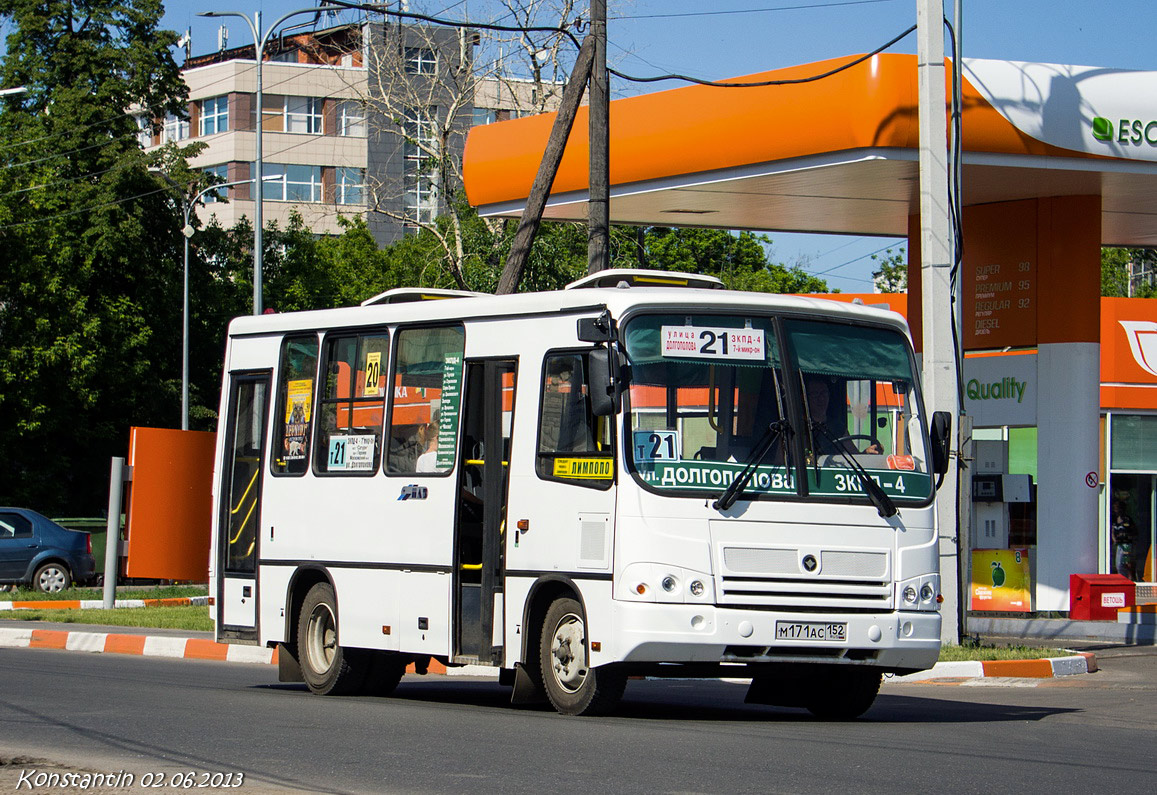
point(599, 213)
point(939, 356)
point(540, 191)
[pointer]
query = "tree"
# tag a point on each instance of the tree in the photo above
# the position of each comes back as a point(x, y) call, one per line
point(1129, 272)
point(738, 259)
point(892, 277)
point(424, 82)
point(90, 296)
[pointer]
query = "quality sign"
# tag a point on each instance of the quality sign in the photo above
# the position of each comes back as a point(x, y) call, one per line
point(1000, 390)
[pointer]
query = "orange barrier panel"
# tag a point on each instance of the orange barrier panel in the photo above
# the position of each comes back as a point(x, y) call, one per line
point(170, 504)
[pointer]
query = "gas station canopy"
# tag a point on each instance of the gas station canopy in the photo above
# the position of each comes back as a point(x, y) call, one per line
point(840, 154)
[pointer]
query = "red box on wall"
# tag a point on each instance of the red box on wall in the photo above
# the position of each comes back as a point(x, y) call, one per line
point(1098, 597)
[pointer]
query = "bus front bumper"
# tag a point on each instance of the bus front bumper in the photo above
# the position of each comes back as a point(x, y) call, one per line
point(677, 633)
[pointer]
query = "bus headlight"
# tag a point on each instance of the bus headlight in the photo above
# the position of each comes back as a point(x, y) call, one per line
point(919, 593)
point(662, 582)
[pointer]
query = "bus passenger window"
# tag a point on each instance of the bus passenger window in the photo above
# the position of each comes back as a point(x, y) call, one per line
point(351, 404)
point(573, 444)
point(427, 381)
point(295, 406)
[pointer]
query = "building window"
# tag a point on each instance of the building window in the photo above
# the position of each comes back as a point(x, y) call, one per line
point(291, 183)
point(421, 61)
point(421, 151)
point(303, 115)
point(291, 114)
point(285, 56)
point(351, 119)
point(219, 174)
point(174, 129)
point(144, 131)
point(214, 115)
point(484, 116)
point(350, 185)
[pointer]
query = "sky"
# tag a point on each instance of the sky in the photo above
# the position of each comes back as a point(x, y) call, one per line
point(730, 38)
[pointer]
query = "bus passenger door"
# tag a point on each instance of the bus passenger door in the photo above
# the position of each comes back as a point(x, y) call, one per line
point(481, 517)
point(237, 536)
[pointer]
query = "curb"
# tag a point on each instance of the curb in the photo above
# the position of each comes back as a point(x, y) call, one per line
point(98, 604)
point(1080, 663)
point(206, 649)
point(176, 648)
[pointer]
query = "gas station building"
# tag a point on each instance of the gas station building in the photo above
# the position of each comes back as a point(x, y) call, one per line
point(1057, 161)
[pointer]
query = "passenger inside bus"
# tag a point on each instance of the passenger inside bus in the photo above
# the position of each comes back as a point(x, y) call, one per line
point(818, 393)
point(428, 438)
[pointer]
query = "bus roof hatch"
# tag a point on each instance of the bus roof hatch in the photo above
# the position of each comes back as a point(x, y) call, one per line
point(406, 295)
point(633, 277)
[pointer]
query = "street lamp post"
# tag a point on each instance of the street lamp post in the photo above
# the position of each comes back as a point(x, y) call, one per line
point(187, 205)
point(259, 41)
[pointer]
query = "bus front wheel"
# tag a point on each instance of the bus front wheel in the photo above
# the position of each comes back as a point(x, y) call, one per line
point(327, 668)
point(571, 684)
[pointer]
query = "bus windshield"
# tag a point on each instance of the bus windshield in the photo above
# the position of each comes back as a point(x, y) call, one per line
point(810, 413)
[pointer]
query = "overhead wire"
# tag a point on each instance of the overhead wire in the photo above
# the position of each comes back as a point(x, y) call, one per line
point(804, 6)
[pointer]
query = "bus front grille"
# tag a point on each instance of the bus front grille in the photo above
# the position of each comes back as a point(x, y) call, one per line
point(812, 580)
point(806, 595)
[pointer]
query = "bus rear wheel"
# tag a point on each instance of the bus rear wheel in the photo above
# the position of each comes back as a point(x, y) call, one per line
point(328, 669)
point(844, 693)
point(571, 684)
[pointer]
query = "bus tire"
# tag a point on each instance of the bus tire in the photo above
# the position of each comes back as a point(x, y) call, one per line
point(328, 669)
point(573, 687)
point(843, 693)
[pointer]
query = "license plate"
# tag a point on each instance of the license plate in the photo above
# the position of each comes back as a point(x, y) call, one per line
point(810, 630)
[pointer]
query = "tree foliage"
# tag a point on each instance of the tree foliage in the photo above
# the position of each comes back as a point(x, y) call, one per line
point(89, 328)
point(1120, 266)
point(892, 276)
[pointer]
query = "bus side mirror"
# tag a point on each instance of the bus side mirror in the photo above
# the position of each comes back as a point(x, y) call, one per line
point(941, 441)
point(602, 387)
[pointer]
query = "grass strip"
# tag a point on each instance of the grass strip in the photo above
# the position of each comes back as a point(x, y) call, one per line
point(191, 617)
point(983, 653)
point(157, 592)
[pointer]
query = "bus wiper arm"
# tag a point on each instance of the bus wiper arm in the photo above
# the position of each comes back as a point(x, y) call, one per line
point(774, 431)
point(884, 505)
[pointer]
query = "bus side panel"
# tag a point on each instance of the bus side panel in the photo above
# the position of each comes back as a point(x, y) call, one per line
point(273, 585)
point(368, 605)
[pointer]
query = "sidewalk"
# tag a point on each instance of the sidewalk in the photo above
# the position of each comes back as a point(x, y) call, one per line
point(190, 645)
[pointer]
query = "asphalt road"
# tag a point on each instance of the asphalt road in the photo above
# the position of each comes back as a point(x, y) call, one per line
point(106, 713)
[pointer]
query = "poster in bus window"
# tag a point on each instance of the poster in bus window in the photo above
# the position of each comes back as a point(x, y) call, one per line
point(373, 372)
point(299, 396)
point(448, 410)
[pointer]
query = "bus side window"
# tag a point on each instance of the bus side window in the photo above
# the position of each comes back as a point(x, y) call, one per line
point(295, 406)
point(573, 444)
point(351, 404)
point(427, 386)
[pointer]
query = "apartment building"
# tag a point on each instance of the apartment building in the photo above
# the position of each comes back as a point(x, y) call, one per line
point(355, 121)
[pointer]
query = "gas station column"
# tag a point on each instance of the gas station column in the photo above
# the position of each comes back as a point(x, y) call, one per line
point(1030, 280)
point(1068, 393)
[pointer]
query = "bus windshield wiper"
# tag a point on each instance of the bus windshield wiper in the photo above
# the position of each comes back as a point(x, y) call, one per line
point(775, 430)
point(884, 505)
